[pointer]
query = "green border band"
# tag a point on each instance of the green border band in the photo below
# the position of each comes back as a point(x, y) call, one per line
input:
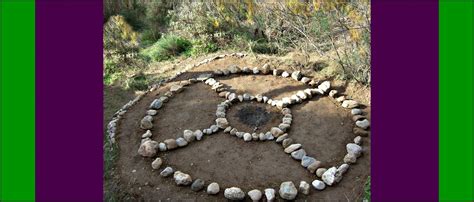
point(455, 101)
point(18, 100)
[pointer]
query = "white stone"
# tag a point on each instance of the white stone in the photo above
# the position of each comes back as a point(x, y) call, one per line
point(156, 164)
point(354, 149)
point(234, 193)
point(213, 188)
point(255, 194)
point(288, 190)
point(304, 187)
point(182, 178)
point(270, 194)
point(364, 124)
point(318, 184)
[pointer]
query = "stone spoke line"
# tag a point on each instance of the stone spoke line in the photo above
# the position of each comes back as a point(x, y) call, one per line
point(329, 176)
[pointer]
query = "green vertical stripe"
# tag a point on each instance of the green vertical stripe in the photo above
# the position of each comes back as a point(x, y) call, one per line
point(455, 101)
point(18, 95)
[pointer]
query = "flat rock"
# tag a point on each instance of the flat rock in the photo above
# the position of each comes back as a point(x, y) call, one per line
point(287, 142)
point(281, 138)
point(324, 86)
point(350, 158)
point(203, 77)
point(213, 188)
point(356, 111)
point(151, 112)
point(298, 154)
point(364, 124)
point(349, 104)
point(307, 160)
point(318, 185)
point(156, 104)
point(176, 88)
point(329, 176)
point(304, 187)
point(284, 127)
point(148, 148)
point(182, 179)
point(276, 132)
point(234, 193)
point(156, 164)
point(288, 190)
point(171, 144)
point(358, 140)
point(167, 172)
point(181, 142)
point(197, 185)
point(292, 148)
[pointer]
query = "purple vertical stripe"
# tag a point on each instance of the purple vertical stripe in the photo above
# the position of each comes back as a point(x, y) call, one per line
point(69, 93)
point(405, 100)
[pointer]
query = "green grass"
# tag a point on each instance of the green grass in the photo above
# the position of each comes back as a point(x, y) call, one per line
point(367, 190)
point(167, 48)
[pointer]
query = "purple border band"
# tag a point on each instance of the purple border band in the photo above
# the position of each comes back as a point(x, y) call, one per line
point(69, 93)
point(404, 100)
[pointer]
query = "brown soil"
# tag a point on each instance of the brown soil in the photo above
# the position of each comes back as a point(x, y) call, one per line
point(321, 126)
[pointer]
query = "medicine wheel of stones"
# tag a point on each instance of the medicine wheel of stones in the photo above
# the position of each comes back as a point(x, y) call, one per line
point(279, 134)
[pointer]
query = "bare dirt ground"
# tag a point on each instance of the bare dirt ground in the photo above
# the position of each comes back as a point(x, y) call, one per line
point(320, 125)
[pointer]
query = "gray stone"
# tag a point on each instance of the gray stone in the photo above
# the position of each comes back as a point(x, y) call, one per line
point(305, 80)
point(296, 75)
point(350, 104)
point(266, 69)
point(214, 128)
point(287, 142)
point(148, 148)
point(228, 129)
point(318, 185)
point(358, 140)
point(261, 137)
point(281, 138)
point(350, 158)
point(307, 160)
point(255, 195)
point(288, 190)
point(247, 137)
point(164, 99)
point(285, 74)
point(232, 97)
point(254, 136)
point(287, 121)
point(246, 70)
point(246, 96)
point(204, 77)
point(255, 70)
point(284, 127)
point(182, 179)
point(240, 134)
point(197, 185)
point(233, 131)
point(320, 171)
point(312, 168)
point(234, 69)
point(269, 136)
point(146, 122)
point(329, 176)
point(270, 194)
point(301, 95)
point(167, 172)
point(259, 98)
point(286, 111)
point(234, 193)
point(156, 104)
point(304, 187)
point(156, 164)
point(162, 146)
point(265, 99)
point(276, 132)
point(151, 112)
point(292, 148)
point(198, 134)
point(298, 154)
point(189, 136)
point(240, 97)
point(354, 149)
point(324, 86)
point(364, 124)
point(340, 171)
point(356, 111)
point(171, 144)
point(222, 123)
point(147, 134)
point(213, 188)
point(176, 88)
point(181, 142)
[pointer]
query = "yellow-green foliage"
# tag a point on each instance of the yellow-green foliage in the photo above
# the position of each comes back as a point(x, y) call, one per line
point(119, 37)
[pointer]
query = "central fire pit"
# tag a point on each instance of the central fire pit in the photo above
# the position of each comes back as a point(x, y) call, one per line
point(253, 116)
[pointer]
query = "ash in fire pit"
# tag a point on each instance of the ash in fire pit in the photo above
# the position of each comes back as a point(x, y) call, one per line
point(253, 116)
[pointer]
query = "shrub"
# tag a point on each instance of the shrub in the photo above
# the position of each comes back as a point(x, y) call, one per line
point(137, 82)
point(119, 38)
point(166, 48)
